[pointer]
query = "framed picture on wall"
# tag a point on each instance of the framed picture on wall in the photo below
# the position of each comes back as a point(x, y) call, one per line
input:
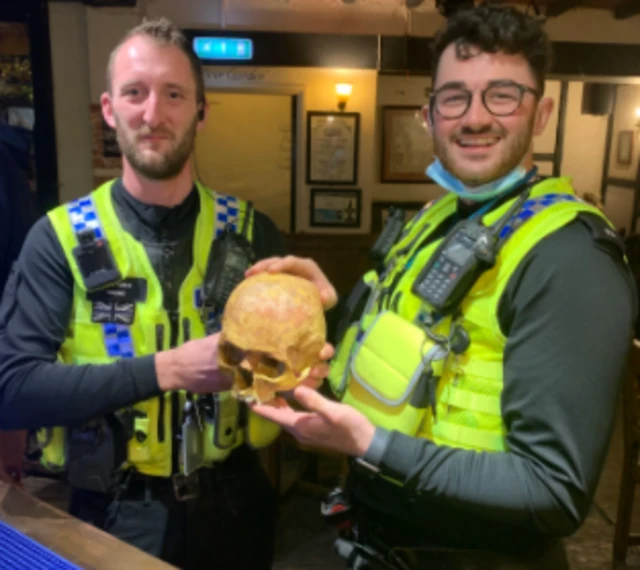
point(624, 156)
point(336, 208)
point(407, 148)
point(332, 147)
point(380, 212)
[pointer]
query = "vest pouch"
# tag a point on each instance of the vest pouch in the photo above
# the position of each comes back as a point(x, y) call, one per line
point(53, 445)
point(355, 304)
point(138, 433)
point(389, 373)
point(221, 428)
point(338, 375)
point(97, 450)
point(340, 362)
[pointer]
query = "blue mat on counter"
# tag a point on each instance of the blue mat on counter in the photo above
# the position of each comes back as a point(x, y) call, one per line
point(19, 552)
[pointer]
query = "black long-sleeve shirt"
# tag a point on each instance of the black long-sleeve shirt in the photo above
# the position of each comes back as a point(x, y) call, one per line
point(567, 313)
point(35, 389)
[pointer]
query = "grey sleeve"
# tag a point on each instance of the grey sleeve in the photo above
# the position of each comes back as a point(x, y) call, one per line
point(567, 314)
point(35, 389)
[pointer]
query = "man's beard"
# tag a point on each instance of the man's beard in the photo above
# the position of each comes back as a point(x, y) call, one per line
point(159, 167)
point(513, 152)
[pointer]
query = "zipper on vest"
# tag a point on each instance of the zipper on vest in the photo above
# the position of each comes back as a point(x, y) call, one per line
point(176, 428)
point(160, 348)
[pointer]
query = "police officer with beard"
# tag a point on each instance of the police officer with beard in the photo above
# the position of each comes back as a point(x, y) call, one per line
point(104, 332)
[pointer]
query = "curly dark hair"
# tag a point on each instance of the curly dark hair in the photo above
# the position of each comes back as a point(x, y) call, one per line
point(492, 29)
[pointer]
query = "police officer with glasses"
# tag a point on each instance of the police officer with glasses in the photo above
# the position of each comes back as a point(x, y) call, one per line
point(478, 365)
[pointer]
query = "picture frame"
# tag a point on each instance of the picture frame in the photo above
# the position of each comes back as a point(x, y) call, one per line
point(332, 147)
point(335, 207)
point(624, 155)
point(407, 147)
point(380, 212)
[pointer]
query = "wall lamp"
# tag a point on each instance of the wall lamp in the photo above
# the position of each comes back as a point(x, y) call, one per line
point(343, 91)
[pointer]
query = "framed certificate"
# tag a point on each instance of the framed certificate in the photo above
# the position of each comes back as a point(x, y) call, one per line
point(333, 207)
point(407, 148)
point(332, 147)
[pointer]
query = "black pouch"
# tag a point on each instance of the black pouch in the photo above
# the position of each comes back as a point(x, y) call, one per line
point(97, 450)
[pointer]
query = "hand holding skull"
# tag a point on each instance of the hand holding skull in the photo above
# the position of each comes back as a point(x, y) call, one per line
point(273, 331)
point(192, 366)
point(300, 267)
point(322, 422)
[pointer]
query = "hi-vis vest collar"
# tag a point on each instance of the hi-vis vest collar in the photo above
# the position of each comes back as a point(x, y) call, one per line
point(128, 319)
point(387, 365)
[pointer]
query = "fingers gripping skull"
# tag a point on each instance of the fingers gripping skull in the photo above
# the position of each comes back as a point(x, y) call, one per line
point(273, 329)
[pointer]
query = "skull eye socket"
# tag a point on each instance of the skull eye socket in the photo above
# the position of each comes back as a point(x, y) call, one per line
point(270, 367)
point(232, 354)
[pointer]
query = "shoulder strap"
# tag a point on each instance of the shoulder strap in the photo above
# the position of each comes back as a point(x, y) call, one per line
point(233, 212)
point(602, 232)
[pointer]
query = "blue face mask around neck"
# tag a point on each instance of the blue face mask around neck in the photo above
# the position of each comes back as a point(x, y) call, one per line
point(441, 176)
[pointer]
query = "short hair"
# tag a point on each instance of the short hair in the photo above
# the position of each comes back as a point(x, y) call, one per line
point(165, 33)
point(495, 29)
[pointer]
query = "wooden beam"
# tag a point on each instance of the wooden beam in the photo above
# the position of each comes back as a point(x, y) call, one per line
point(561, 6)
point(626, 9)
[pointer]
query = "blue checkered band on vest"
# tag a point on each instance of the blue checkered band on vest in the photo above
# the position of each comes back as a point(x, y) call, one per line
point(227, 210)
point(530, 208)
point(117, 339)
point(83, 215)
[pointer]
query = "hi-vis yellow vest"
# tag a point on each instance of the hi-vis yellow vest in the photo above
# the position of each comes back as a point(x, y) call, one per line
point(377, 368)
point(93, 338)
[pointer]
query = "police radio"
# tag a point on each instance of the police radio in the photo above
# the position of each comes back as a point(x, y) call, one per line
point(230, 256)
point(467, 251)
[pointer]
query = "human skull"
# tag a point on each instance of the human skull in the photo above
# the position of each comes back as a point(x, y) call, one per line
point(273, 329)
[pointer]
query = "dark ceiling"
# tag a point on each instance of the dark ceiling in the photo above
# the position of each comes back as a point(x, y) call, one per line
point(621, 9)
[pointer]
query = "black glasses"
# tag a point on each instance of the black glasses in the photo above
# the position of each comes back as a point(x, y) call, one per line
point(500, 99)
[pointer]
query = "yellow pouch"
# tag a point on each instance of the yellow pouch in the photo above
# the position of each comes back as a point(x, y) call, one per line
point(388, 373)
point(260, 432)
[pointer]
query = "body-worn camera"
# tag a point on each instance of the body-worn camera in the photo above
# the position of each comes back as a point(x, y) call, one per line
point(95, 260)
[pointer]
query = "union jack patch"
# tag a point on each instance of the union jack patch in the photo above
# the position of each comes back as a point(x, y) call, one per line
point(113, 312)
